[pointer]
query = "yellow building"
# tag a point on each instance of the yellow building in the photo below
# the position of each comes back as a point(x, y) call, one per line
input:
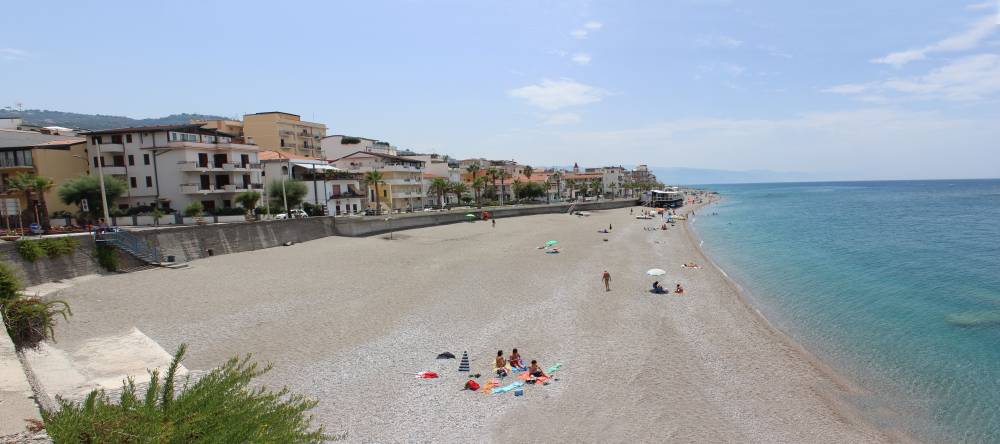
point(401, 188)
point(59, 158)
point(231, 127)
point(283, 132)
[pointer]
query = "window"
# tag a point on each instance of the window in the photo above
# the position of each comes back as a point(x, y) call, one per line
point(208, 139)
point(97, 140)
point(131, 160)
point(227, 203)
point(145, 159)
point(282, 142)
point(118, 161)
point(116, 138)
point(95, 161)
point(131, 181)
point(128, 138)
point(149, 181)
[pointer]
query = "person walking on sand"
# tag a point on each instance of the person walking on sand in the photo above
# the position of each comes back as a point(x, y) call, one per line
point(494, 223)
point(607, 280)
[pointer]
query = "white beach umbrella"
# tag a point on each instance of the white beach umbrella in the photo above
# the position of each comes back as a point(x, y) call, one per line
point(656, 272)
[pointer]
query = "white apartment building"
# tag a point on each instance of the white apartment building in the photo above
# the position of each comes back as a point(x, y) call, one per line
point(175, 165)
point(435, 166)
point(613, 179)
point(337, 146)
point(340, 191)
point(402, 179)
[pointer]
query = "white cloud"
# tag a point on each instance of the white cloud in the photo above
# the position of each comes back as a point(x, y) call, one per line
point(967, 79)
point(583, 32)
point(581, 58)
point(966, 40)
point(552, 95)
point(773, 51)
point(719, 41)
point(13, 54)
point(983, 5)
point(562, 119)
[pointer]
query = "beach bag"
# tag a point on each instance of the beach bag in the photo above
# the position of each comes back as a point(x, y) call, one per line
point(472, 385)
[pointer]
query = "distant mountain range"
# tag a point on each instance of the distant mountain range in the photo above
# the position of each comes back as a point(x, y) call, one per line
point(44, 117)
point(699, 176)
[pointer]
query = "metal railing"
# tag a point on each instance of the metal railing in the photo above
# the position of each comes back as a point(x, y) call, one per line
point(132, 244)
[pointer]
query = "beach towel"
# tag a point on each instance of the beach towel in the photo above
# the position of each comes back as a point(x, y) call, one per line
point(553, 369)
point(489, 386)
point(426, 375)
point(507, 388)
point(527, 377)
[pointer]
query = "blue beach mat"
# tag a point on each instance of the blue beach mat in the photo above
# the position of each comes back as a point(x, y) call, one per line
point(507, 388)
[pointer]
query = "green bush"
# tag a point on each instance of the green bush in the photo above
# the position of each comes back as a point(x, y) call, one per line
point(10, 284)
point(31, 320)
point(221, 407)
point(194, 209)
point(30, 250)
point(107, 258)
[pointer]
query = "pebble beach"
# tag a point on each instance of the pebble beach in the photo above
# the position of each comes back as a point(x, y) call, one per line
point(349, 321)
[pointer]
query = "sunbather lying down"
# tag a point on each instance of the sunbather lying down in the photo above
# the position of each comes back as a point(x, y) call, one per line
point(691, 265)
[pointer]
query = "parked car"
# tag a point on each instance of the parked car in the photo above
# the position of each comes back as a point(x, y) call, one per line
point(292, 214)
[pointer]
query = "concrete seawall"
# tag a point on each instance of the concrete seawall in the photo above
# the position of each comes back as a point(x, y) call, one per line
point(187, 243)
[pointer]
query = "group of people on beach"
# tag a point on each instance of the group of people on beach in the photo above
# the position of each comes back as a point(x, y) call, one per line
point(658, 289)
point(515, 362)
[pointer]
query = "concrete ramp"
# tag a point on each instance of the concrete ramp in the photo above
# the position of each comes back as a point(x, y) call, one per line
point(100, 363)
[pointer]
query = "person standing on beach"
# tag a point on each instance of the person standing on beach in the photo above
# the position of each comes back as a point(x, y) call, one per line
point(607, 280)
point(494, 223)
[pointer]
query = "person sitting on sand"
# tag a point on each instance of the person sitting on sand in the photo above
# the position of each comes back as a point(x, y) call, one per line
point(679, 289)
point(657, 288)
point(515, 359)
point(500, 364)
point(535, 371)
point(691, 265)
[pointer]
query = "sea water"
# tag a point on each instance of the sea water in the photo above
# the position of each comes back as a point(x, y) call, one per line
point(895, 285)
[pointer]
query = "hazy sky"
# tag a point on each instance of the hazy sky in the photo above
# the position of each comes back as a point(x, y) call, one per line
point(845, 89)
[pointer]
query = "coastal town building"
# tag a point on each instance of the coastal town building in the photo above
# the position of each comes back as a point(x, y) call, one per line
point(401, 188)
point(337, 146)
point(174, 165)
point(339, 192)
point(285, 132)
point(228, 126)
point(437, 167)
point(58, 158)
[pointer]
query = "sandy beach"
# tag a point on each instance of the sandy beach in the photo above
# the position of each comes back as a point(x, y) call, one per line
point(349, 320)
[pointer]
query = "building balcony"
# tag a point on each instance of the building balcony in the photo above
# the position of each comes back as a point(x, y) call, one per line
point(111, 148)
point(17, 167)
point(112, 170)
point(195, 188)
point(407, 181)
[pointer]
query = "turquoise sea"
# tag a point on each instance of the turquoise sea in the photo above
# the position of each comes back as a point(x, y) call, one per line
point(895, 285)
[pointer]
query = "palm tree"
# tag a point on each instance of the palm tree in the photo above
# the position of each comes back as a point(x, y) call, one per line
point(439, 187)
point(492, 174)
point(373, 178)
point(458, 188)
point(597, 185)
point(472, 169)
point(28, 183)
point(502, 175)
point(558, 177)
point(477, 187)
point(528, 171)
point(571, 186)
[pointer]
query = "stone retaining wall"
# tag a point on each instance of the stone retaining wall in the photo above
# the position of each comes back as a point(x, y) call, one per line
point(187, 243)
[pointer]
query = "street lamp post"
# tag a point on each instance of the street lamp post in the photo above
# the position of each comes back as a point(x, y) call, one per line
point(100, 178)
